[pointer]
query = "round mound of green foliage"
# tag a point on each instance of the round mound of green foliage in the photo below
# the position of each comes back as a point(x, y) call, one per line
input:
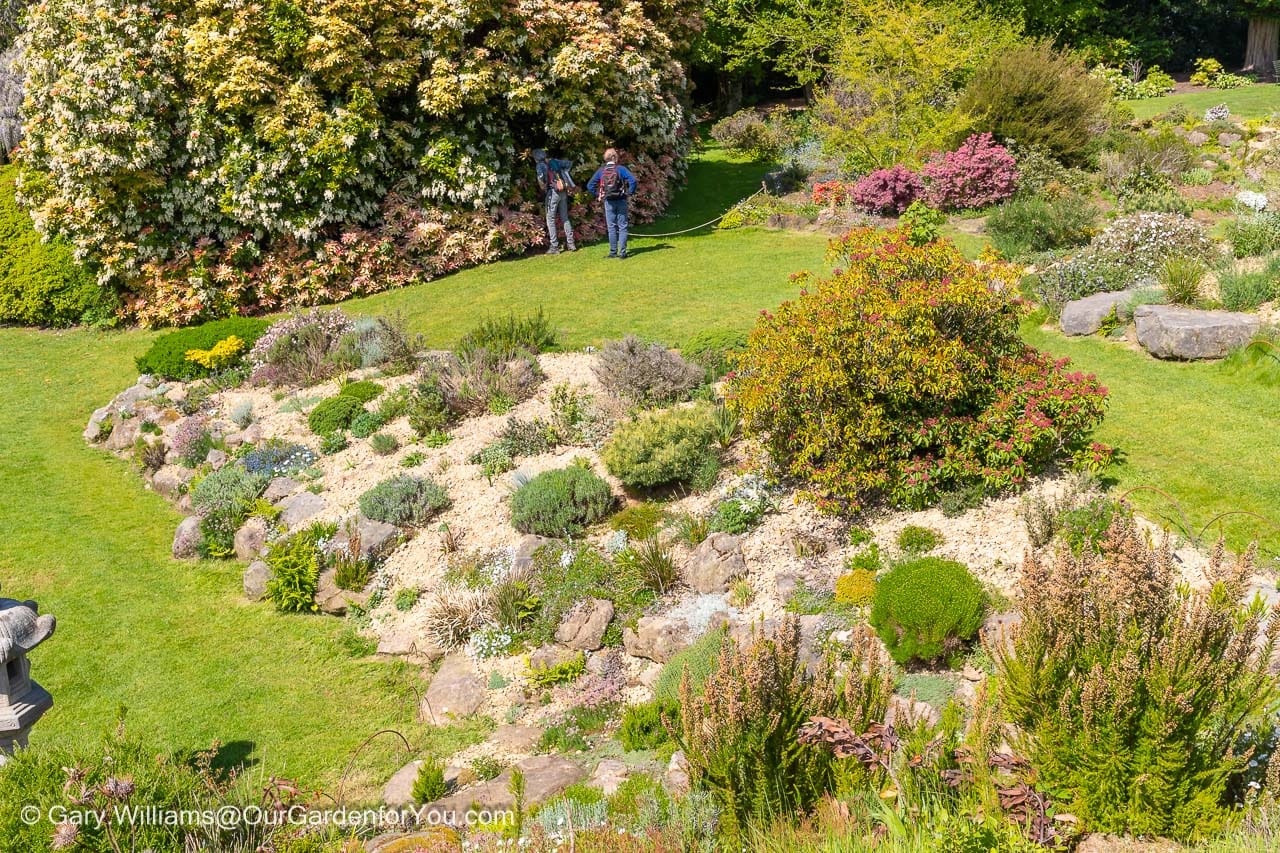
point(167, 356)
point(714, 349)
point(364, 390)
point(333, 414)
point(561, 502)
point(404, 500)
point(41, 284)
point(664, 448)
point(903, 376)
point(926, 609)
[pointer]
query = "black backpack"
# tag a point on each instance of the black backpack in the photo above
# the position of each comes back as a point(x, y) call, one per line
point(612, 184)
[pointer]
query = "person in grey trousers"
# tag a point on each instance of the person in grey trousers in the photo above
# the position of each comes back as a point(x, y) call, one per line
point(556, 184)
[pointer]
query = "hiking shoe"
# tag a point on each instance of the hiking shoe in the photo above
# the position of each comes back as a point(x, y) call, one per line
point(553, 251)
point(572, 248)
point(622, 257)
point(611, 255)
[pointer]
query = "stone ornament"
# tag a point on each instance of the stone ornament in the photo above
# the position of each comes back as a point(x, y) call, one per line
point(22, 701)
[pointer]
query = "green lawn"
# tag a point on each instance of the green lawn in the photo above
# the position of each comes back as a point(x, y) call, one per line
point(668, 289)
point(1200, 432)
point(1257, 101)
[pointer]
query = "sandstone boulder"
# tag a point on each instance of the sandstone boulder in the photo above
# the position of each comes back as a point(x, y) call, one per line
point(186, 539)
point(250, 538)
point(657, 638)
point(298, 509)
point(279, 489)
point(255, 580)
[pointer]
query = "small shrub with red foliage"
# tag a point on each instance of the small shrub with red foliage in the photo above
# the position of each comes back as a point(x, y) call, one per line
point(903, 376)
point(888, 191)
point(831, 192)
point(977, 174)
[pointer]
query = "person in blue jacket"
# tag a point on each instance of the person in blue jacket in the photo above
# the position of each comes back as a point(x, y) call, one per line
point(613, 183)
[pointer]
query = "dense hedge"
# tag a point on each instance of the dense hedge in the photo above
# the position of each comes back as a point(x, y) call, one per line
point(167, 357)
point(41, 284)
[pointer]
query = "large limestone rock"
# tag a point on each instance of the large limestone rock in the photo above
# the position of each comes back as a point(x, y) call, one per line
point(170, 480)
point(186, 539)
point(522, 558)
point(544, 777)
point(716, 563)
point(250, 538)
point(93, 431)
point(1170, 331)
point(455, 691)
point(301, 508)
point(583, 627)
point(255, 580)
point(1085, 316)
point(609, 775)
point(124, 434)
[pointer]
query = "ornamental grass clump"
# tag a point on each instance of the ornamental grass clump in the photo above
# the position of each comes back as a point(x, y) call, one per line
point(1133, 692)
point(903, 376)
point(739, 732)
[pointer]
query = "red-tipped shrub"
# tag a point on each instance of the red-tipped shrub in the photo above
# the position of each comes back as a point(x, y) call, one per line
point(887, 190)
point(977, 174)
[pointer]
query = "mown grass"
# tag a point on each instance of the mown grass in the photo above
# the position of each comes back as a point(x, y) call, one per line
point(1256, 101)
point(1205, 433)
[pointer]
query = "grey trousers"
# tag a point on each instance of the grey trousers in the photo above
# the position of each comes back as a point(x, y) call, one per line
point(558, 203)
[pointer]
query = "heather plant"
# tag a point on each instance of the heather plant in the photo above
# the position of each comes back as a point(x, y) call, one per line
point(404, 500)
point(1133, 692)
point(299, 350)
point(856, 587)
point(664, 448)
point(427, 408)
point(738, 734)
point(561, 502)
point(1027, 224)
point(1037, 95)
point(646, 373)
point(882, 383)
point(191, 440)
point(926, 609)
point(977, 174)
point(887, 191)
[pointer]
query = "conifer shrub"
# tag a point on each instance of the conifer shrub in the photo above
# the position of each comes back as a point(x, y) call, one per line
point(295, 571)
point(1135, 695)
point(363, 390)
point(642, 726)
point(429, 784)
point(404, 500)
point(714, 349)
point(166, 358)
point(926, 609)
point(663, 448)
point(561, 502)
point(334, 414)
point(739, 733)
point(903, 376)
point(1037, 95)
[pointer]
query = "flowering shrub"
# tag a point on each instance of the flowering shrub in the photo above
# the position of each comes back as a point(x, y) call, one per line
point(1221, 112)
point(278, 459)
point(903, 376)
point(239, 145)
point(832, 192)
point(1251, 200)
point(297, 350)
point(1141, 242)
point(191, 442)
point(977, 174)
point(887, 190)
